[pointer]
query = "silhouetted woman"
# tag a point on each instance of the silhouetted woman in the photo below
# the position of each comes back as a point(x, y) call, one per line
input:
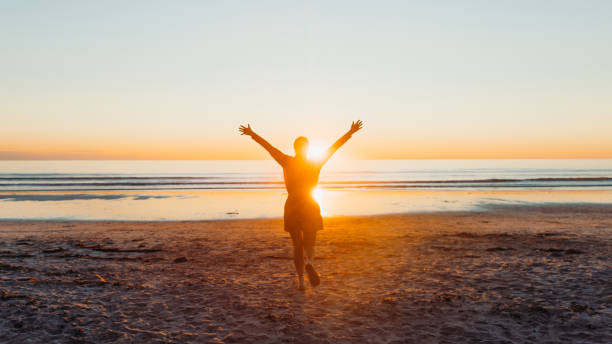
point(302, 213)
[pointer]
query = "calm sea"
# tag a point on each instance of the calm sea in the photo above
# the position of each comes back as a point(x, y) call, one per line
point(191, 190)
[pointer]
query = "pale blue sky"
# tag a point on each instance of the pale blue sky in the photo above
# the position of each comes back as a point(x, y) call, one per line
point(429, 78)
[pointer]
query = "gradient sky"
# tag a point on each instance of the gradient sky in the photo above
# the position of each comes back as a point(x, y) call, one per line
point(430, 79)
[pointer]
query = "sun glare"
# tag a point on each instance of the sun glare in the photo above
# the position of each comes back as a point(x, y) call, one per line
point(317, 194)
point(316, 152)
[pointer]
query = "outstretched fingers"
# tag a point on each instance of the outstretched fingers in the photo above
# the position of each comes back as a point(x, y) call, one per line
point(355, 126)
point(245, 130)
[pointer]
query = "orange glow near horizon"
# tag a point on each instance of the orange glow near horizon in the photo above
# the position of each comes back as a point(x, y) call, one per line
point(366, 146)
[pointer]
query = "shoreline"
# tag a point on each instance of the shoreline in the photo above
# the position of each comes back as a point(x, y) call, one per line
point(485, 208)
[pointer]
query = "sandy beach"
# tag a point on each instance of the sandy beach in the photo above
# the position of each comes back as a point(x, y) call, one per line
point(538, 274)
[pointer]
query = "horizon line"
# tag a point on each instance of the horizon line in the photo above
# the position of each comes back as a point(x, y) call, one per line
point(500, 158)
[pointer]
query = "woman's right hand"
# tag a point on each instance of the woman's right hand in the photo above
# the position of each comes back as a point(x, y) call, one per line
point(246, 130)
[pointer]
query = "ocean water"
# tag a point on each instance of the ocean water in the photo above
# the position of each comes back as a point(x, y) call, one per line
point(194, 190)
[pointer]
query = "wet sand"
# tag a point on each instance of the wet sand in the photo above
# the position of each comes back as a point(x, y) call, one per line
point(510, 274)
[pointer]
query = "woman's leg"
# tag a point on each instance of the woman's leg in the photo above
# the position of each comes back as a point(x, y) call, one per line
point(309, 243)
point(298, 251)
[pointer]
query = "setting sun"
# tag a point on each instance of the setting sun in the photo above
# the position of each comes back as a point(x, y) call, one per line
point(316, 151)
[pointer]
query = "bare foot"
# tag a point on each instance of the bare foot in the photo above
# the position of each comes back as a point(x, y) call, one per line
point(313, 275)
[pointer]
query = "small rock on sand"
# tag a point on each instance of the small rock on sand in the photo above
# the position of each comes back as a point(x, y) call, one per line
point(180, 259)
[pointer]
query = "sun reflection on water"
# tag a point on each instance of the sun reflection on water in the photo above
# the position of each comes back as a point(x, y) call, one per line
point(317, 194)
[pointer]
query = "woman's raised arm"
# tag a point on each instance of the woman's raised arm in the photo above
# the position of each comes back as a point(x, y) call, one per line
point(355, 127)
point(279, 156)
